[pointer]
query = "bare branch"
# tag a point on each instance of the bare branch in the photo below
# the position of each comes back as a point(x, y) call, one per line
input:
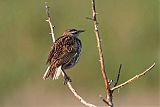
point(107, 86)
point(78, 96)
point(68, 83)
point(133, 78)
point(119, 72)
point(49, 21)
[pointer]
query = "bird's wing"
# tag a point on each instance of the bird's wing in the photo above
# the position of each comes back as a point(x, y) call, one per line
point(68, 50)
point(55, 50)
point(51, 54)
point(62, 50)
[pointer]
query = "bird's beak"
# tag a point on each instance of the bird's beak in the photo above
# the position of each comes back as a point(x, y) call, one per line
point(80, 31)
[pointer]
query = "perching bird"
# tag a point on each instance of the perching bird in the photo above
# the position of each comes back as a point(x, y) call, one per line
point(64, 54)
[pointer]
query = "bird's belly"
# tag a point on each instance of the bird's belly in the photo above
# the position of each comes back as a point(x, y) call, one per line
point(72, 62)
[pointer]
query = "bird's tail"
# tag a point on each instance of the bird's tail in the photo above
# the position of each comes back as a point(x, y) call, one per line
point(53, 72)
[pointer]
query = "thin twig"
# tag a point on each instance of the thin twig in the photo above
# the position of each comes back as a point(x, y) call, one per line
point(103, 99)
point(49, 21)
point(89, 18)
point(133, 78)
point(107, 86)
point(68, 83)
point(119, 72)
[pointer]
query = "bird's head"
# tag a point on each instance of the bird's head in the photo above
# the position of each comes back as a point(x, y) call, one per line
point(72, 32)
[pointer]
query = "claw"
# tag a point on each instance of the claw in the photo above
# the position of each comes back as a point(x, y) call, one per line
point(67, 79)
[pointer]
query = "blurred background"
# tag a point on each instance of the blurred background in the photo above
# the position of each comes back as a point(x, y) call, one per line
point(130, 36)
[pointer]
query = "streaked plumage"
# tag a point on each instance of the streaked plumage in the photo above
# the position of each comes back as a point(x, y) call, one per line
point(64, 53)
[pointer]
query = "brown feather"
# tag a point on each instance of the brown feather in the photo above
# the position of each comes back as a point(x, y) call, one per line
point(63, 53)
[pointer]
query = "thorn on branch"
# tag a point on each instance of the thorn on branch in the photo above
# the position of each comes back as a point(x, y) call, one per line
point(88, 18)
point(96, 29)
point(53, 26)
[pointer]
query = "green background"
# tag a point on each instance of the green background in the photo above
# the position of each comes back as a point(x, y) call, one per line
point(129, 30)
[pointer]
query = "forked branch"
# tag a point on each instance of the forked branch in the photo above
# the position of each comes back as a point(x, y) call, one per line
point(101, 59)
point(109, 91)
point(133, 78)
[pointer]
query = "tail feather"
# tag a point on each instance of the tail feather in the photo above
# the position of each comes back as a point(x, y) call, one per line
point(53, 72)
point(57, 73)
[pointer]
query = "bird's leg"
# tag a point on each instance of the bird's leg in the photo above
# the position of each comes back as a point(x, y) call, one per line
point(66, 78)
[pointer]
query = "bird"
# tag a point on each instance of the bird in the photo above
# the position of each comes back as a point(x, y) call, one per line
point(64, 54)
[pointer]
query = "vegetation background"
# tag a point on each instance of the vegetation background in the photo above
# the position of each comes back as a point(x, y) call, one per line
point(130, 35)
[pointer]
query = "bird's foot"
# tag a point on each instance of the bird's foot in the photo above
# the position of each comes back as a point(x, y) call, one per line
point(67, 79)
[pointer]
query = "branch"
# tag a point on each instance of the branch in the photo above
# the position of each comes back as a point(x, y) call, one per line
point(68, 83)
point(119, 72)
point(49, 21)
point(78, 96)
point(107, 86)
point(133, 78)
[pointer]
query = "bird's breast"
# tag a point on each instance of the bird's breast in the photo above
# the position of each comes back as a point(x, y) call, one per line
point(77, 49)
